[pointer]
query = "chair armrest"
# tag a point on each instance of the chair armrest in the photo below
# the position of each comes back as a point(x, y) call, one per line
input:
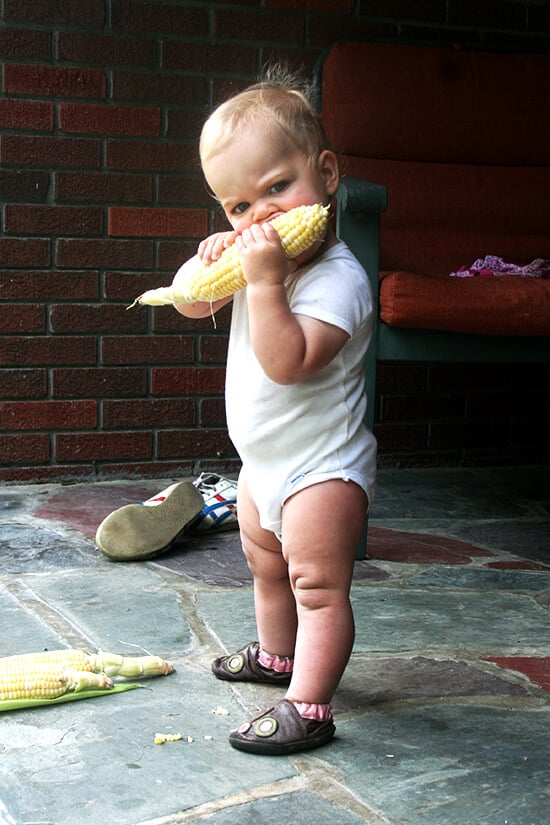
point(361, 196)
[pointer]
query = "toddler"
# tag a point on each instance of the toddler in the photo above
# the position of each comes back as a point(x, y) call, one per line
point(295, 404)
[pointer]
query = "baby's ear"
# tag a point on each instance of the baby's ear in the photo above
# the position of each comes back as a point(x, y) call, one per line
point(327, 165)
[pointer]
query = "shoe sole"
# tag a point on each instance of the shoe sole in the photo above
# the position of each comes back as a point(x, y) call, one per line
point(136, 532)
point(282, 748)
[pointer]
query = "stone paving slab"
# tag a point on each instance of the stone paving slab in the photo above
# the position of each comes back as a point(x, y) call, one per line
point(369, 682)
point(95, 760)
point(442, 715)
point(482, 580)
point(396, 619)
point(117, 609)
point(449, 765)
point(23, 627)
point(291, 809)
point(28, 548)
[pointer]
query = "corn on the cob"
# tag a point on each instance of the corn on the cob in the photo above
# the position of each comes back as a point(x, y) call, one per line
point(298, 229)
point(47, 681)
point(101, 662)
point(53, 673)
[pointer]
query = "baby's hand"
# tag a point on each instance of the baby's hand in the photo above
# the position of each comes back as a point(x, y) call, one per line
point(262, 255)
point(212, 247)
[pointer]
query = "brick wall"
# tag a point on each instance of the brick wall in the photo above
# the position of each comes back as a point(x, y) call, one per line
point(102, 102)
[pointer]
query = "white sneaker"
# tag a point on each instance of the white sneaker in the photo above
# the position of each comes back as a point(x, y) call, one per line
point(220, 504)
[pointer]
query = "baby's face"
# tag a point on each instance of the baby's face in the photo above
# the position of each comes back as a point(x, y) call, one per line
point(262, 174)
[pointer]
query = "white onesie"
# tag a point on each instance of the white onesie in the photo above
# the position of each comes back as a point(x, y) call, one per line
point(291, 436)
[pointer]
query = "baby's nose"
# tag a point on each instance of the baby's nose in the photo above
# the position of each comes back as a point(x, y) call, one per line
point(265, 213)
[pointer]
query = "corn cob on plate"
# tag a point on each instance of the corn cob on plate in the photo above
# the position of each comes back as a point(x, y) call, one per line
point(298, 229)
point(32, 679)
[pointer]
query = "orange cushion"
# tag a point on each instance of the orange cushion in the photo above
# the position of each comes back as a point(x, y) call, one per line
point(442, 216)
point(506, 305)
point(418, 103)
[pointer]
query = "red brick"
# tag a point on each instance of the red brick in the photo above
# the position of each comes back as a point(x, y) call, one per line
point(194, 443)
point(105, 253)
point(24, 252)
point(19, 383)
point(204, 58)
point(146, 349)
point(467, 377)
point(106, 49)
point(148, 413)
point(98, 318)
point(24, 449)
point(40, 473)
point(401, 437)
point(156, 87)
point(212, 412)
point(185, 190)
point(53, 220)
point(25, 43)
point(225, 87)
point(171, 254)
point(177, 19)
point(97, 382)
point(61, 152)
point(150, 156)
point(125, 286)
point(424, 10)
point(102, 446)
point(188, 381)
point(336, 6)
point(103, 187)
point(26, 318)
point(468, 434)
point(213, 349)
point(48, 284)
point(17, 185)
point(174, 322)
point(425, 407)
point(46, 350)
point(527, 376)
point(48, 415)
point(26, 114)
point(254, 26)
point(149, 469)
point(95, 118)
point(539, 18)
point(43, 12)
point(185, 124)
point(154, 223)
point(53, 81)
point(400, 378)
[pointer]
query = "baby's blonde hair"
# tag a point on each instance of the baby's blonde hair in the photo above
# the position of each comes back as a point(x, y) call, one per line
point(279, 99)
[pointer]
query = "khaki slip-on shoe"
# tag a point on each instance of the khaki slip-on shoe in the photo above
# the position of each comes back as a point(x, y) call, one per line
point(136, 532)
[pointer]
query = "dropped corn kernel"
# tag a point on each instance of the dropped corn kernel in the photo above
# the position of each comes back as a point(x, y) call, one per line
point(161, 738)
point(219, 711)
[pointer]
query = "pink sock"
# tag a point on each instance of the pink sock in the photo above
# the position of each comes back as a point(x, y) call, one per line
point(310, 710)
point(280, 664)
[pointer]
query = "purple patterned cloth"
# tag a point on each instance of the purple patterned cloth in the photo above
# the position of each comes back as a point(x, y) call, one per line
point(492, 266)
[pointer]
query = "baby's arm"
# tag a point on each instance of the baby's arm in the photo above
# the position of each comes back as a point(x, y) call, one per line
point(289, 347)
point(209, 250)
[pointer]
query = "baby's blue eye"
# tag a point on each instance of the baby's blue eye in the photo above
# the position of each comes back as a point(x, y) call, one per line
point(241, 207)
point(280, 186)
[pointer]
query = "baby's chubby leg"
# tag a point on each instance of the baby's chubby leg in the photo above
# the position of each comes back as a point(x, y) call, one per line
point(274, 602)
point(322, 527)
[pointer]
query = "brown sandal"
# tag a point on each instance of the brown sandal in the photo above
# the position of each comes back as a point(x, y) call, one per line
point(281, 730)
point(243, 666)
